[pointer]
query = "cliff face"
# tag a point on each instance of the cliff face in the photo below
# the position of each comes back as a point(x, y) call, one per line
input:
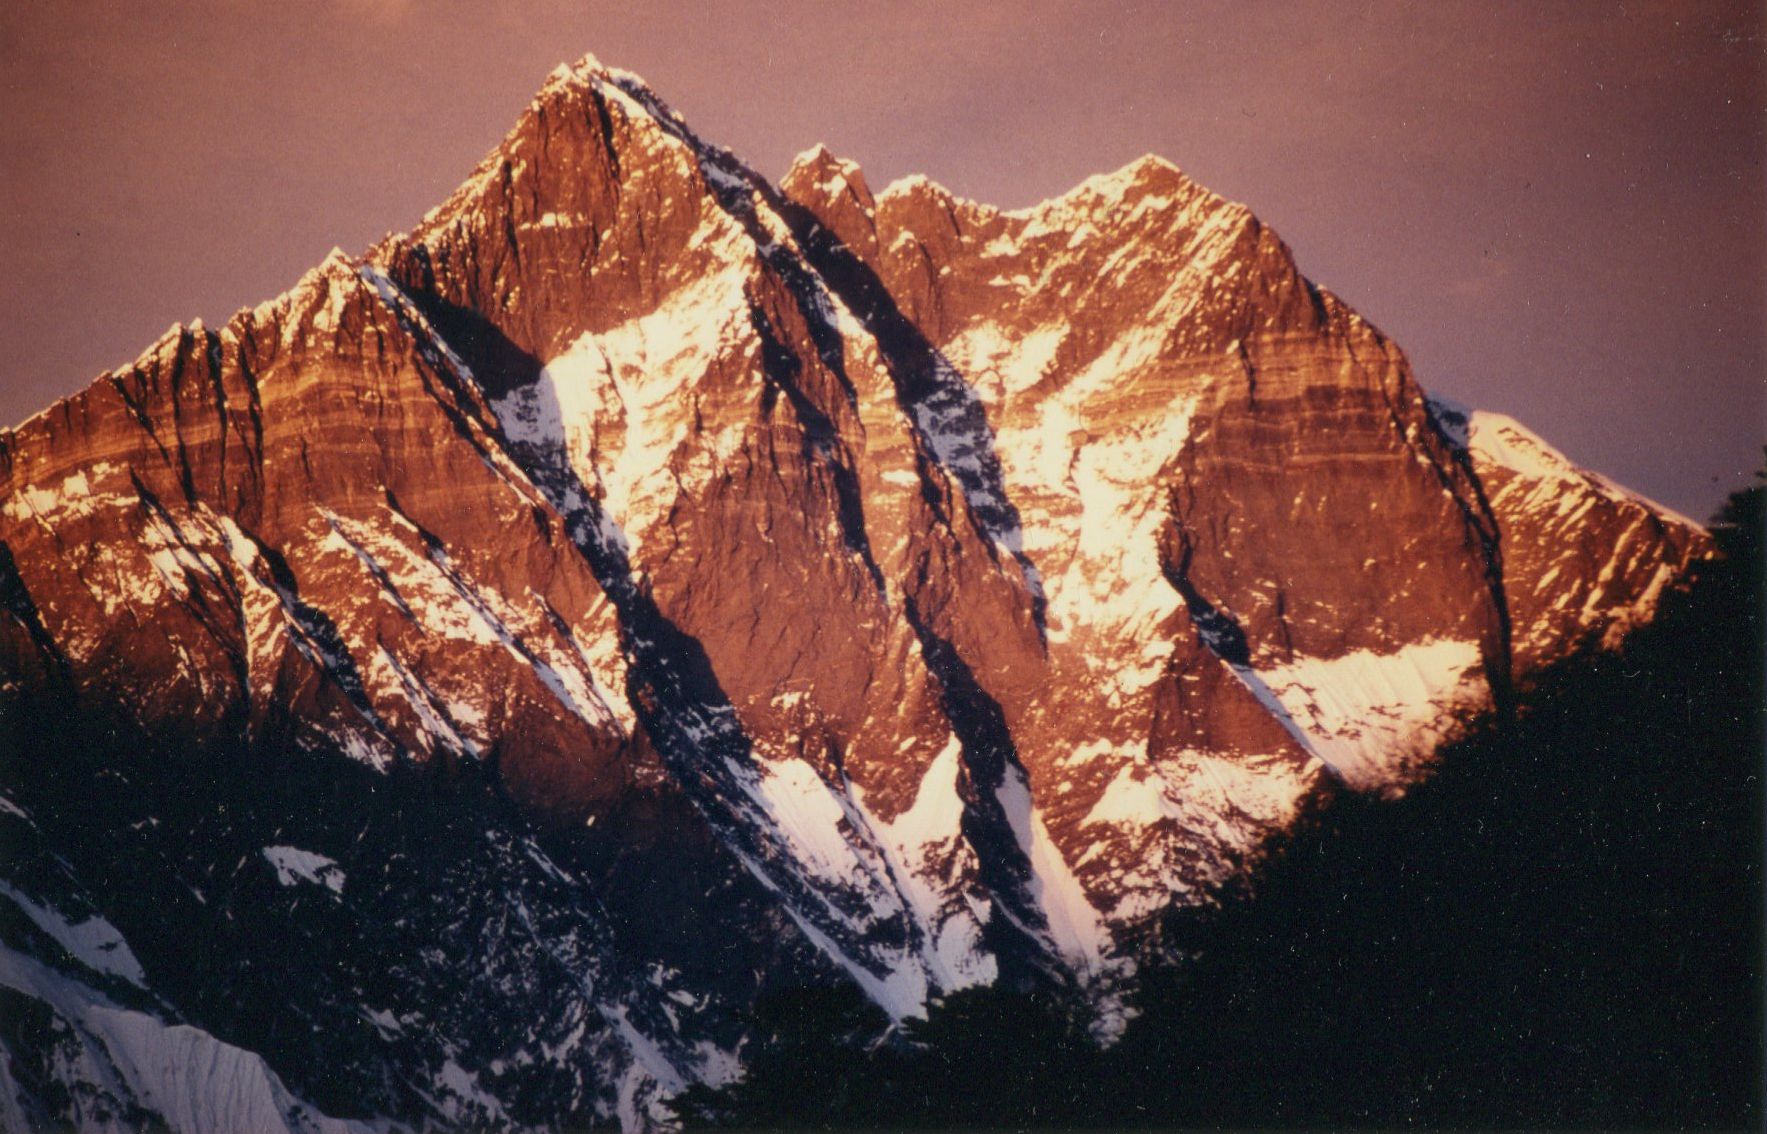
point(806, 584)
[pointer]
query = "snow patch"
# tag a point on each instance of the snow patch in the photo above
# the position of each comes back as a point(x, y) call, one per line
point(295, 865)
point(1136, 797)
point(925, 847)
point(616, 405)
point(191, 1081)
point(1074, 925)
point(803, 808)
point(1367, 714)
point(93, 942)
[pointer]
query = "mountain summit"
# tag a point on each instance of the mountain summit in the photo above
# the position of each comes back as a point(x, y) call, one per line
point(456, 691)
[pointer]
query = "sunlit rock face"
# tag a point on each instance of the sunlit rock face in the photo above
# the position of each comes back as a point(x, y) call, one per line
point(641, 586)
point(1585, 560)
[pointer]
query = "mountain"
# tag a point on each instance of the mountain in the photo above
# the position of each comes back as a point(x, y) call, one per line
point(457, 691)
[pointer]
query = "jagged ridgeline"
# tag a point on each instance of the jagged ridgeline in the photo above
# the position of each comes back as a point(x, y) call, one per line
point(458, 690)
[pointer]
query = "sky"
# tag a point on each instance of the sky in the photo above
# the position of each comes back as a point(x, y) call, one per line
point(1558, 210)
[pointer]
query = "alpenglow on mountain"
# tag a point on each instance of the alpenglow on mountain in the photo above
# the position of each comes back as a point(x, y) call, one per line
point(455, 692)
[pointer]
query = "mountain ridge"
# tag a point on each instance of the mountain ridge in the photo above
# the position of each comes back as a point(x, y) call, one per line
point(962, 588)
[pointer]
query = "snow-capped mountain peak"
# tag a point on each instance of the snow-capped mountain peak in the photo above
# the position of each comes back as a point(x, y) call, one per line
point(640, 588)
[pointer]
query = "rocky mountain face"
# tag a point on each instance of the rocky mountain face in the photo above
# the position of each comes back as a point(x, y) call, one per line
point(453, 692)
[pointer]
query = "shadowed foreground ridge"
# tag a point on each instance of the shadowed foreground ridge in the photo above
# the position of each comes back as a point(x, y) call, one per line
point(469, 689)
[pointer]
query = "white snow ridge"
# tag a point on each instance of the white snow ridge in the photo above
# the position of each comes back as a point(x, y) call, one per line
point(126, 1068)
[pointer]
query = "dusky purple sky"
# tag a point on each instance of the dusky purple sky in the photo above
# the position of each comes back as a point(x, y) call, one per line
point(1557, 209)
